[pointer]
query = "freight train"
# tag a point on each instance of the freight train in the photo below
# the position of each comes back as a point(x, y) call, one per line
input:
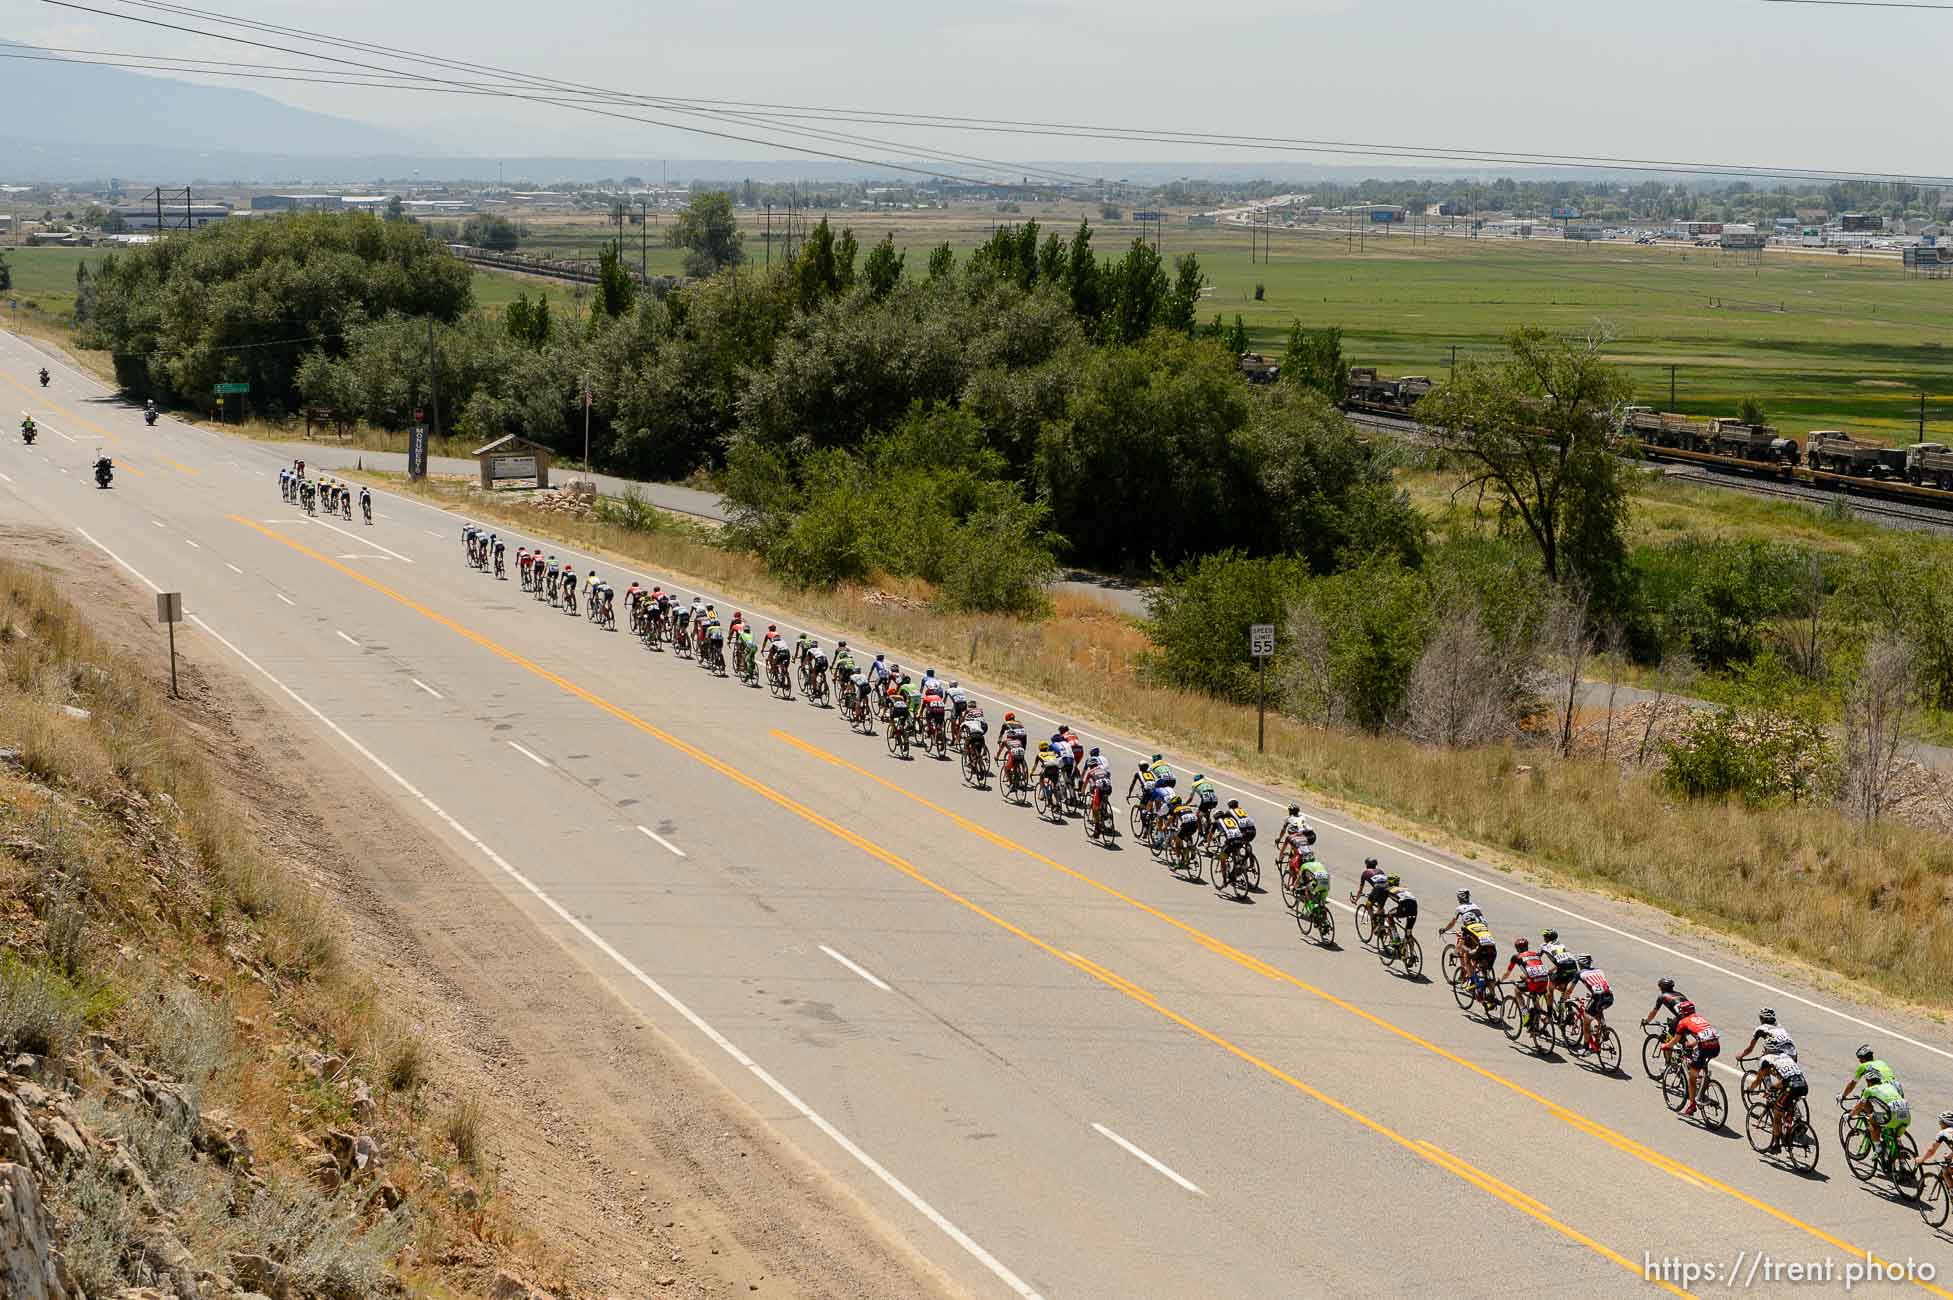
point(1829, 458)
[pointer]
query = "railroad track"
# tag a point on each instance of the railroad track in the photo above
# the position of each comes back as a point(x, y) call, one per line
point(1901, 516)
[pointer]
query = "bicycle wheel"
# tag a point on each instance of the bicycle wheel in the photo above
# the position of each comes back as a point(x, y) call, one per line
point(1566, 1022)
point(1449, 964)
point(1800, 1143)
point(1251, 873)
point(1326, 924)
point(1934, 1204)
point(1608, 1052)
point(1712, 1102)
point(1540, 1029)
point(1463, 994)
point(1366, 924)
point(1855, 1140)
point(1290, 899)
point(1675, 1087)
point(1512, 1016)
point(1225, 871)
point(1411, 953)
point(1653, 1063)
point(1041, 800)
point(1757, 1128)
point(1904, 1168)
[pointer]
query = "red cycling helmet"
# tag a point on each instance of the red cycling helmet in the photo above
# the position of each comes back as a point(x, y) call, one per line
point(1684, 1009)
point(1520, 945)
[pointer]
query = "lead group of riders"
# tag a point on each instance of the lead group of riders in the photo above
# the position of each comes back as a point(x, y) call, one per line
point(335, 497)
point(1551, 975)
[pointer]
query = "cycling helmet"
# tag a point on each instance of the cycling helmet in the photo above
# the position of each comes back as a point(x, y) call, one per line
point(1520, 945)
point(1549, 936)
point(905, 679)
point(842, 645)
point(1464, 895)
point(1369, 862)
point(1946, 1119)
point(1684, 1009)
point(1586, 960)
point(1394, 879)
point(1767, 1016)
point(929, 672)
point(1234, 805)
point(1295, 810)
point(1095, 751)
point(1308, 855)
point(954, 685)
point(1155, 758)
point(1865, 1052)
point(878, 658)
point(1009, 716)
point(1665, 984)
point(1044, 747)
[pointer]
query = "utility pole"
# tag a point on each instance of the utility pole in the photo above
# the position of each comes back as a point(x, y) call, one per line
point(1454, 359)
point(644, 239)
point(586, 426)
point(433, 394)
point(1671, 388)
point(769, 235)
point(1922, 416)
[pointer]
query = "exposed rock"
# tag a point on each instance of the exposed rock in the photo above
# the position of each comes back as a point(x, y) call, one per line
point(130, 1175)
point(261, 1274)
point(324, 1170)
point(27, 1270)
point(63, 1142)
point(164, 1254)
point(172, 1102)
point(20, 1141)
point(79, 714)
point(507, 1286)
point(366, 1153)
point(359, 1100)
point(224, 1140)
point(385, 1197)
point(466, 1197)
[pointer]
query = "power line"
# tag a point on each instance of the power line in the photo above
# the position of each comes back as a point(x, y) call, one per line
point(771, 115)
point(1858, 4)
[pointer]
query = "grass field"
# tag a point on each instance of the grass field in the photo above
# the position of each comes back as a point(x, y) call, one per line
point(1821, 342)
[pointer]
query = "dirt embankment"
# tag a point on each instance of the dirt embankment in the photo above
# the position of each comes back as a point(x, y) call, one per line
point(389, 1050)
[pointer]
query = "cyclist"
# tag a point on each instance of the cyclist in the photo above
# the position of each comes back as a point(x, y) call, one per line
point(1666, 1000)
point(817, 663)
point(843, 664)
point(1370, 876)
point(877, 671)
point(930, 682)
point(974, 731)
point(1011, 739)
point(747, 652)
point(1296, 835)
point(1566, 968)
point(522, 566)
point(1788, 1071)
point(1400, 912)
point(1599, 993)
point(1484, 957)
point(1533, 969)
point(1773, 1038)
point(1159, 781)
point(1469, 920)
point(284, 475)
point(959, 700)
point(569, 588)
point(800, 644)
point(1239, 831)
point(1944, 1138)
point(501, 550)
point(1205, 799)
point(1869, 1064)
point(1047, 769)
point(1890, 1112)
point(935, 707)
point(1700, 1045)
point(1311, 883)
point(1183, 816)
point(1097, 776)
point(366, 503)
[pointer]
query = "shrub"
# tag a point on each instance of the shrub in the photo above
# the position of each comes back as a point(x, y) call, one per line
point(99, 1221)
point(1200, 613)
point(41, 1010)
point(463, 1130)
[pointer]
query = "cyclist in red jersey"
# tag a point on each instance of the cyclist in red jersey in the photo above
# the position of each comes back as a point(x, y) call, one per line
point(1700, 1045)
point(1538, 972)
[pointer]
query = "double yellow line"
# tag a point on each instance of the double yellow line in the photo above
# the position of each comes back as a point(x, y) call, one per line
point(1423, 1150)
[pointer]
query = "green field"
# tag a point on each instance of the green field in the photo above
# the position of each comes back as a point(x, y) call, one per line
point(44, 278)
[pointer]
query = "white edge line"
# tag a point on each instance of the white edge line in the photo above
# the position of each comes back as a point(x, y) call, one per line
point(363, 541)
point(233, 568)
point(3, 476)
point(659, 838)
point(425, 687)
point(287, 599)
point(1156, 1166)
point(343, 637)
point(159, 523)
point(531, 755)
point(856, 969)
point(719, 1040)
point(119, 560)
point(188, 542)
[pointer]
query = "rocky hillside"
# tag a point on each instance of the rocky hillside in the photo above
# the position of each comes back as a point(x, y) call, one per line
point(200, 1096)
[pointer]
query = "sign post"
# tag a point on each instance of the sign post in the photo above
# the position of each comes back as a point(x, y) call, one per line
point(169, 612)
point(1261, 644)
point(417, 446)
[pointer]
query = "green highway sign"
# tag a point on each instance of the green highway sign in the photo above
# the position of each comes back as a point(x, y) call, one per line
point(231, 388)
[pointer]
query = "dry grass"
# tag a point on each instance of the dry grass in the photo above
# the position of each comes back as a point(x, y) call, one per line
point(1802, 881)
point(462, 1127)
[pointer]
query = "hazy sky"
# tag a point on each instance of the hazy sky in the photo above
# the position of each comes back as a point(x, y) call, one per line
point(1732, 81)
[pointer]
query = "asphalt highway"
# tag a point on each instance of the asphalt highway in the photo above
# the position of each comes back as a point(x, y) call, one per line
point(1057, 1068)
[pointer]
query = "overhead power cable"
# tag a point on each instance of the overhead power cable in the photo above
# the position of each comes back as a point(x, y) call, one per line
point(772, 115)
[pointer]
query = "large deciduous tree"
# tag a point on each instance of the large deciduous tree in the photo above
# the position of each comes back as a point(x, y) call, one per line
point(1538, 428)
point(707, 230)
